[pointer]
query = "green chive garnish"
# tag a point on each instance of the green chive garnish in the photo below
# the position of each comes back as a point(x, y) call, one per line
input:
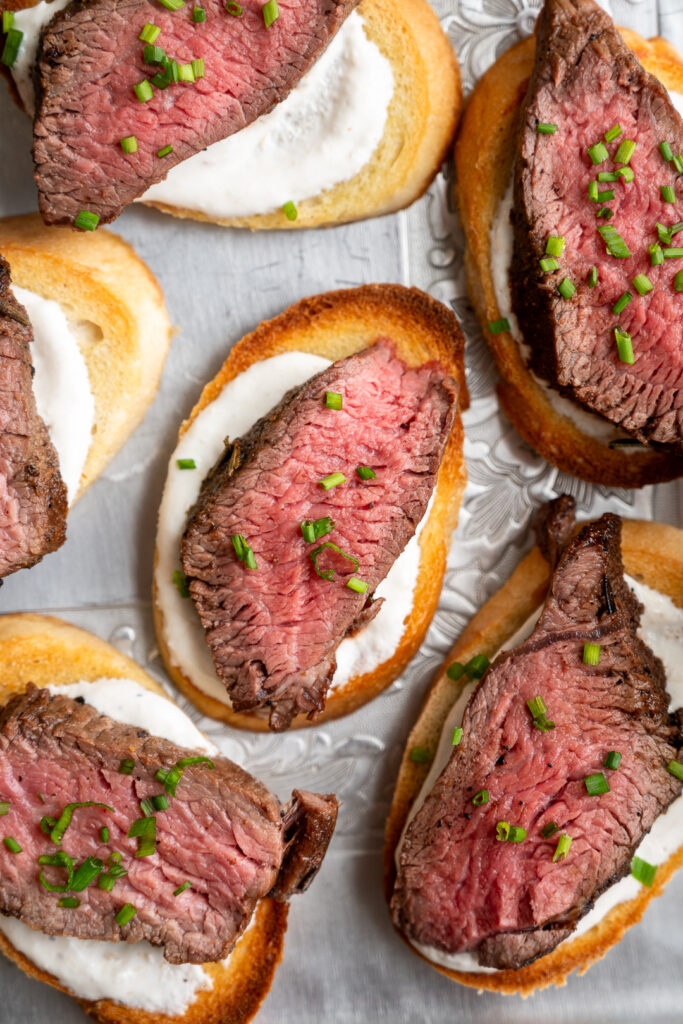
point(328, 574)
point(621, 303)
point(104, 834)
point(181, 582)
point(642, 284)
point(160, 802)
point(591, 654)
point(678, 281)
point(198, 14)
point(668, 193)
point(608, 176)
point(503, 831)
point(614, 243)
point(607, 196)
point(566, 288)
point(129, 144)
point(642, 871)
point(593, 191)
point(147, 807)
point(365, 473)
point(656, 254)
point(517, 834)
point(170, 777)
point(562, 848)
point(243, 551)
point(197, 66)
point(420, 755)
point(86, 220)
point(626, 173)
point(673, 252)
point(613, 133)
point(360, 586)
point(290, 211)
point(182, 888)
point(4, 808)
point(598, 153)
point(164, 151)
point(333, 480)
point(143, 90)
point(605, 212)
point(126, 766)
point(7, 21)
point(663, 233)
point(537, 707)
point(498, 326)
point(64, 820)
point(456, 738)
point(333, 400)
point(596, 784)
point(11, 48)
point(69, 902)
point(555, 245)
point(153, 54)
point(545, 128)
point(314, 529)
point(86, 873)
point(592, 277)
point(678, 163)
point(476, 666)
point(234, 9)
point(675, 768)
point(624, 346)
point(150, 33)
point(612, 760)
point(11, 844)
point(548, 264)
point(482, 797)
point(145, 831)
point(666, 151)
point(172, 5)
point(186, 464)
point(626, 150)
point(61, 859)
point(186, 72)
point(550, 829)
point(456, 670)
point(125, 914)
point(270, 13)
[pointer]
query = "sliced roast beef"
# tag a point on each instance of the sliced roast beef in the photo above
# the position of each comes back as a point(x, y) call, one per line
point(274, 630)
point(91, 59)
point(461, 885)
point(222, 832)
point(586, 82)
point(33, 501)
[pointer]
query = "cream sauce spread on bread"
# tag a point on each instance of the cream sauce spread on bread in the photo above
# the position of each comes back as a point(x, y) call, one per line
point(241, 402)
point(134, 974)
point(323, 133)
point(662, 629)
point(61, 385)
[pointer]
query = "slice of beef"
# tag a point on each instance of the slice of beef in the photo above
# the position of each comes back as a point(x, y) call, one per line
point(586, 81)
point(33, 502)
point(91, 58)
point(274, 631)
point(222, 831)
point(459, 888)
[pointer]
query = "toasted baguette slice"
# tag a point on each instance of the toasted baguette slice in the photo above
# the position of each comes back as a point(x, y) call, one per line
point(653, 554)
point(484, 156)
point(101, 284)
point(46, 651)
point(335, 325)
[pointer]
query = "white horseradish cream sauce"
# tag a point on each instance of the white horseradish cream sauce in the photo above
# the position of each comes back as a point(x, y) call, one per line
point(662, 629)
point(243, 401)
point(61, 385)
point(323, 133)
point(135, 974)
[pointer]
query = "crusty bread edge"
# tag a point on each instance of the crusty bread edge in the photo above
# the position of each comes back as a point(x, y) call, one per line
point(98, 278)
point(653, 554)
point(44, 650)
point(422, 117)
point(484, 154)
point(335, 325)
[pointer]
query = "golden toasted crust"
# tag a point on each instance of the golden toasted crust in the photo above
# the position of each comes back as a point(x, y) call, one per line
point(101, 283)
point(43, 650)
point(653, 554)
point(335, 325)
point(421, 121)
point(484, 155)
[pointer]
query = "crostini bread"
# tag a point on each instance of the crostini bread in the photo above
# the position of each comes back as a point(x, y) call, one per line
point(335, 325)
point(46, 651)
point(653, 555)
point(102, 285)
point(484, 156)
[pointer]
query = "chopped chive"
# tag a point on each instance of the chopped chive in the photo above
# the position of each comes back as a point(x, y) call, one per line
point(456, 738)
point(172, 5)
point(11, 844)
point(608, 176)
point(642, 284)
point(126, 766)
point(498, 326)
point(591, 654)
point(129, 144)
point(626, 150)
point(545, 128)
point(476, 666)
point(86, 873)
point(536, 706)
point(596, 784)
point(7, 21)
point(125, 914)
point(360, 586)
point(612, 760)
point(517, 834)
point(365, 473)
point(614, 243)
point(613, 133)
point(550, 829)
point(675, 228)
point(64, 820)
point(186, 464)
point(607, 196)
point(482, 797)
point(61, 859)
point(329, 574)
point(164, 151)
point(69, 902)
point(161, 80)
point(182, 888)
point(663, 233)
point(181, 582)
point(10, 50)
point(592, 277)
point(621, 303)
point(198, 14)
point(198, 69)
point(333, 400)
point(668, 193)
point(290, 211)
point(233, 9)
point(678, 163)
point(153, 54)
point(593, 191)
point(562, 848)
point(243, 551)
point(420, 755)
point(160, 802)
point(106, 882)
point(666, 151)
point(626, 173)
point(642, 871)
point(456, 670)
point(185, 73)
point(555, 245)
point(150, 33)
point(170, 777)
point(605, 213)
point(104, 834)
point(566, 288)
point(673, 252)
point(656, 254)
point(548, 264)
point(145, 831)
point(270, 13)
point(502, 831)
point(47, 824)
point(314, 529)
point(147, 807)
point(86, 220)
point(675, 768)
point(333, 480)
point(624, 346)
point(598, 153)
point(4, 808)
point(678, 281)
